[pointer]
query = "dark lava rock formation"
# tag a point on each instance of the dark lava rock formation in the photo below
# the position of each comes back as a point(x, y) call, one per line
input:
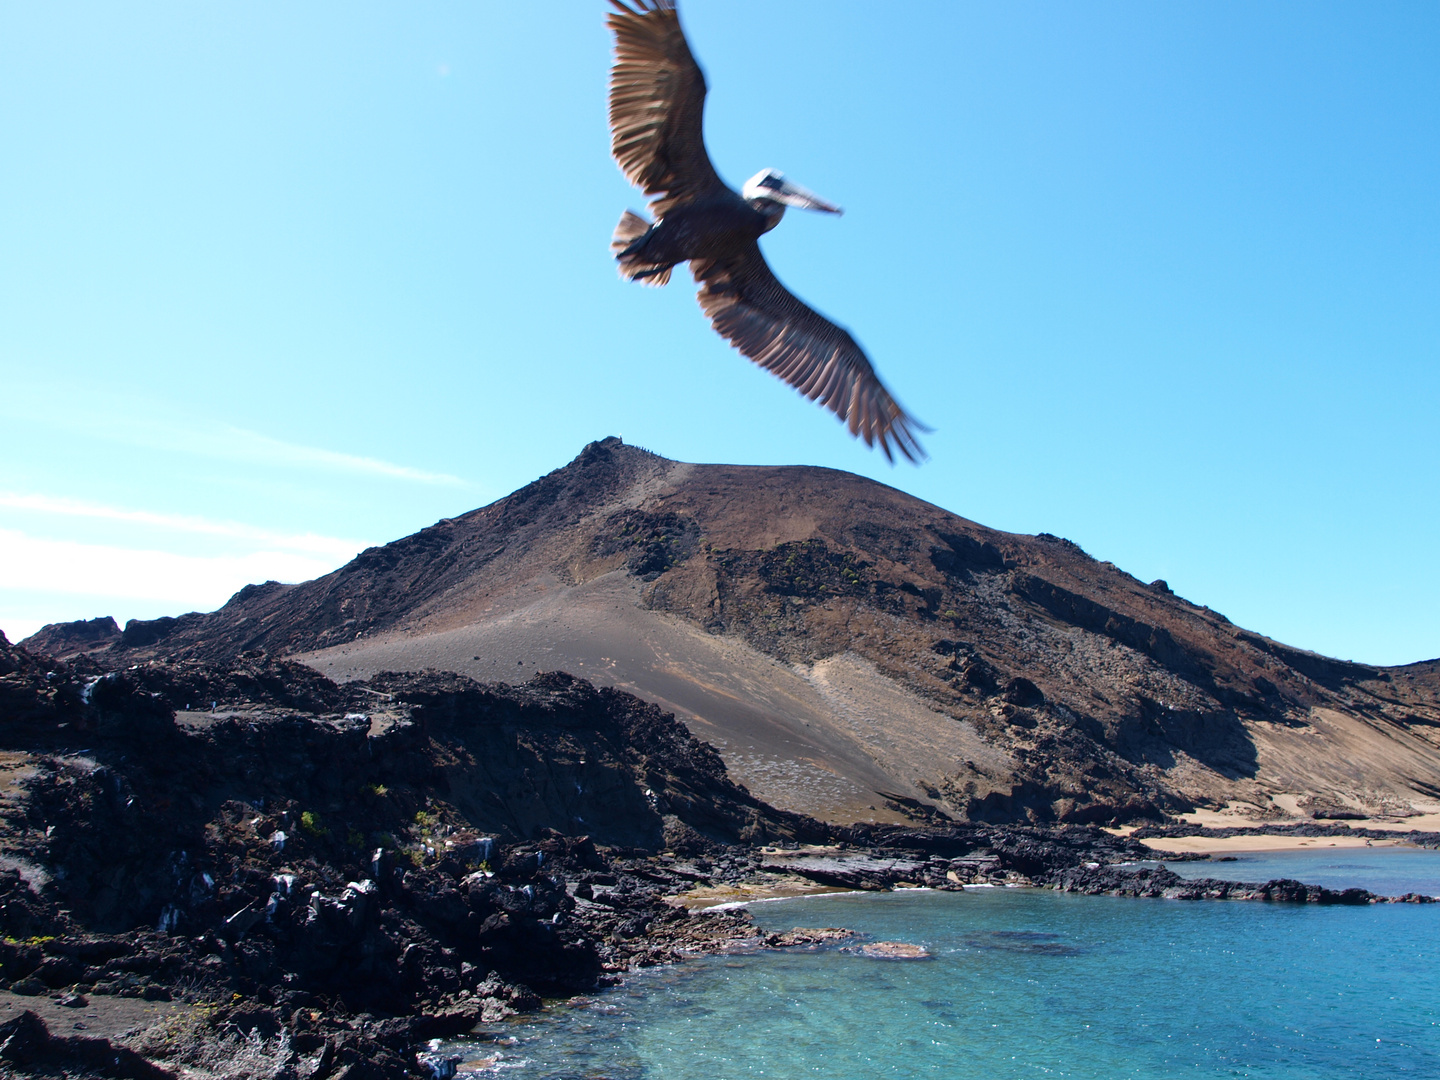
point(290, 854)
point(139, 776)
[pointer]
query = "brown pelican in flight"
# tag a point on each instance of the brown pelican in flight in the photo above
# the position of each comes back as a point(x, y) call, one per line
point(657, 101)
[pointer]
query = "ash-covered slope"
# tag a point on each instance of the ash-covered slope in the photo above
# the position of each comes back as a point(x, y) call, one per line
point(855, 652)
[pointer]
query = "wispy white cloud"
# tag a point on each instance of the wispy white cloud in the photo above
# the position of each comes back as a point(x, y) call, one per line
point(239, 444)
point(46, 579)
point(188, 582)
point(140, 421)
point(332, 546)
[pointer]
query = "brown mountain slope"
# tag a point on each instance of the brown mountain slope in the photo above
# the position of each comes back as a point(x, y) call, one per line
point(855, 652)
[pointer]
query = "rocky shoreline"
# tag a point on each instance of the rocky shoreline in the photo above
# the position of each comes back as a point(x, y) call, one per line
point(308, 880)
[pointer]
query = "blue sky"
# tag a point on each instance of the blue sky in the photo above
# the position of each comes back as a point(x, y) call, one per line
point(278, 281)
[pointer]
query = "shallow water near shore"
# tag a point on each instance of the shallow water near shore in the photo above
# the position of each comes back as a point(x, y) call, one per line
point(1023, 983)
point(1385, 871)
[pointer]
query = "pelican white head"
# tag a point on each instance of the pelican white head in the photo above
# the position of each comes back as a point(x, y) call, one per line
point(771, 184)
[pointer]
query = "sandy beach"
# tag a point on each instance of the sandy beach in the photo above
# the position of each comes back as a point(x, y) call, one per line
point(1220, 845)
point(709, 897)
point(1236, 817)
point(1242, 816)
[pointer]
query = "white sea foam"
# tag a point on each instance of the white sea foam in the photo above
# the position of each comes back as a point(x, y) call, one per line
point(731, 905)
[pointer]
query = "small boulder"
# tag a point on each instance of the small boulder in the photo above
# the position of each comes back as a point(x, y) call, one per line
point(1021, 691)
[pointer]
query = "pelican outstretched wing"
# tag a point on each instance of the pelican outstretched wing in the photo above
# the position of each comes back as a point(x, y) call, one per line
point(657, 105)
point(749, 307)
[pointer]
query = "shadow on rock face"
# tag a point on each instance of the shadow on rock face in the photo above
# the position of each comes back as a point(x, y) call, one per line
point(1152, 735)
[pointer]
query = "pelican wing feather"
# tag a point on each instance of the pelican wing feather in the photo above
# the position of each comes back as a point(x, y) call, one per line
point(657, 105)
point(747, 305)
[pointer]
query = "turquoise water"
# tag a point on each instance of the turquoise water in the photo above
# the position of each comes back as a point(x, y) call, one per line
point(1024, 983)
point(1384, 871)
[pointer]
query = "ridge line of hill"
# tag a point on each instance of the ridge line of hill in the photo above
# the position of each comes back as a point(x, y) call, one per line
point(854, 652)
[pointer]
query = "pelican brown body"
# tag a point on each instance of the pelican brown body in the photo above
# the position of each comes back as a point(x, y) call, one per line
point(657, 101)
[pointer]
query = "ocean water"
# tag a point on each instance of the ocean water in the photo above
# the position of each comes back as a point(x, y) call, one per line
point(1387, 871)
point(1023, 983)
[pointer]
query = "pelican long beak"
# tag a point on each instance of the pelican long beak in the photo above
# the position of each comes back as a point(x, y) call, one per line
point(795, 195)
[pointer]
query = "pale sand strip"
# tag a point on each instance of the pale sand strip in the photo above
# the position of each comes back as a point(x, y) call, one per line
point(1235, 816)
point(1217, 845)
point(778, 888)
